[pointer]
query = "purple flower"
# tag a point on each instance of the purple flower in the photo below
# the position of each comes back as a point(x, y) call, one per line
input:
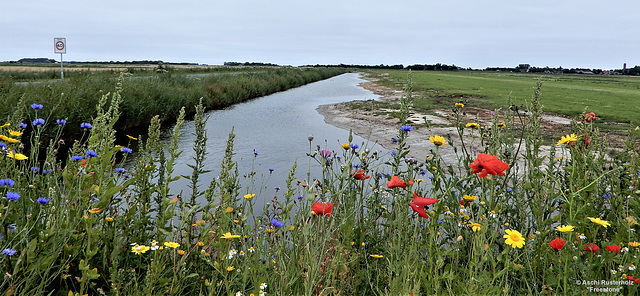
point(6, 183)
point(120, 170)
point(86, 125)
point(8, 252)
point(22, 125)
point(34, 169)
point(76, 157)
point(36, 106)
point(38, 122)
point(324, 153)
point(43, 201)
point(406, 128)
point(354, 146)
point(12, 196)
point(393, 153)
point(277, 223)
point(91, 153)
point(126, 150)
point(61, 121)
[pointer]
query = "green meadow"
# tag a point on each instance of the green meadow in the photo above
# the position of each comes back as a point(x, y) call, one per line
point(612, 98)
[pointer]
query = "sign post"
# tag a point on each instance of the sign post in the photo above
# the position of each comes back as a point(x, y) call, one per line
point(60, 46)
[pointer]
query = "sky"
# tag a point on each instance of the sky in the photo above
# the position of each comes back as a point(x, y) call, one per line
point(475, 34)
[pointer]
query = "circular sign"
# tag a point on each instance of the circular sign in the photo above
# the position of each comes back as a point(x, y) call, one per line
point(60, 45)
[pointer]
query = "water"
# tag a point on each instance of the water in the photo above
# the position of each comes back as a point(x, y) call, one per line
point(277, 127)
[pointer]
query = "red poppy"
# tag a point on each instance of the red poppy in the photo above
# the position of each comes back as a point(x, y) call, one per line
point(557, 244)
point(589, 117)
point(591, 247)
point(83, 162)
point(320, 209)
point(420, 202)
point(630, 278)
point(396, 182)
point(613, 248)
point(636, 281)
point(359, 174)
point(488, 164)
point(462, 202)
point(586, 142)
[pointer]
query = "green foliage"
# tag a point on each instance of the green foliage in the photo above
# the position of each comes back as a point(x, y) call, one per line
point(108, 231)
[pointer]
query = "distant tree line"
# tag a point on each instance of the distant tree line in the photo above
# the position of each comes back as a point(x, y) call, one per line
point(251, 64)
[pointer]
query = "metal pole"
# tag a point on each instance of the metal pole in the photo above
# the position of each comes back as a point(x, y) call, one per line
point(61, 68)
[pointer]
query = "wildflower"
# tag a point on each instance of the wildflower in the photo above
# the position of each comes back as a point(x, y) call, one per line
point(174, 200)
point(613, 248)
point(239, 293)
point(406, 128)
point(86, 125)
point(172, 245)
point(419, 203)
point(589, 117)
point(488, 164)
point(15, 133)
point(501, 125)
point(249, 196)
point(43, 201)
point(13, 196)
point(154, 244)
point(17, 156)
point(564, 228)
point(493, 214)
point(591, 247)
point(600, 222)
point(472, 125)
point(459, 105)
point(61, 121)
point(394, 140)
point(120, 170)
point(38, 122)
point(476, 227)
point(354, 146)
point(557, 244)
point(320, 209)
point(263, 286)
point(345, 146)
point(634, 244)
point(513, 238)
point(22, 125)
point(469, 197)
point(567, 139)
point(581, 236)
point(6, 125)
point(324, 153)
point(94, 210)
point(232, 253)
point(109, 219)
point(138, 249)
point(76, 157)
point(6, 183)
point(376, 256)
point(277, 223)
point(8, 252)
point(230, 268)
point(126, 150)
point(228, 235)
point(181, 252)
point(360, 175)
point(438, 140)
point(396, 182)
point(36, 106)
point(632, 267)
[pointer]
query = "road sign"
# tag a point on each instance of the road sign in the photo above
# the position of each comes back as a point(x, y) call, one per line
point(60, 45)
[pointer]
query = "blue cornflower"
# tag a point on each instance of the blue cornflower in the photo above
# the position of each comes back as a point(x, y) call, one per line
point(13, 196)
point(86, 125)
point(61, 121)
point(394, 140)
point(356, 165)
point(381, 175)
point(120, 170)
point(423, 172)
point(38, 121)
point(91, 153)
point(22, 125)
point(393, 153)
point(1, 237)
point(606, 195)
point(6, 182)
point(299, 197)
point(3, 145)
point(354, 146)
point(277, 223)
point(509, 189)
point(12, 227)
point(34, 169)
point(430, 177)
point(439, 221)
point(255, 153)
point(76, 157)
point(406, 128)
point(8, 252)
point(36, 106)
point(46, 171)
point(277, 188)
point(126, 150)
point(43, 201)
point(270, 170)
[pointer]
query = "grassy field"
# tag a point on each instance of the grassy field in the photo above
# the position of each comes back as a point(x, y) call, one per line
point(613, 98)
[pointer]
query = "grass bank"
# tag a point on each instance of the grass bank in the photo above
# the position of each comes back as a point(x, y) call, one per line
point(75, 99)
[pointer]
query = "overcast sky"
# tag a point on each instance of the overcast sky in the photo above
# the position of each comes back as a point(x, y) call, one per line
point(468, 33)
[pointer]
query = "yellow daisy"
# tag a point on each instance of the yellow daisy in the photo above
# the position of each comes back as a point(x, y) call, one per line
point(600, 222)
point(513, 238)
point(567, 139)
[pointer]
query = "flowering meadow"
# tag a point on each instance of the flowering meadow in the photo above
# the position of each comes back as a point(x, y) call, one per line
point(508, 219)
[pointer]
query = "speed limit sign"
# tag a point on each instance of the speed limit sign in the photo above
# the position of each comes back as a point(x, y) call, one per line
point(60, 45)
